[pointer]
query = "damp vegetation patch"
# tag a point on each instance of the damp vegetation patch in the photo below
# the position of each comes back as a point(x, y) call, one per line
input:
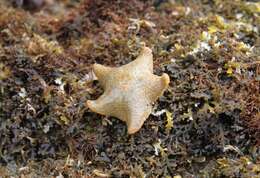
point(76, 79)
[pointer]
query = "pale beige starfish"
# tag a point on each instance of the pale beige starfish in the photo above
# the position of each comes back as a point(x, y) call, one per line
point(129, 90)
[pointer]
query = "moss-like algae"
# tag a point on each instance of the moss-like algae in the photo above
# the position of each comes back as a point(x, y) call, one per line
point(210, 49)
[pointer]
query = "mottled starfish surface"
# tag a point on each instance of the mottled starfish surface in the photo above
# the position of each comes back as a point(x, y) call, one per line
point(129, 90)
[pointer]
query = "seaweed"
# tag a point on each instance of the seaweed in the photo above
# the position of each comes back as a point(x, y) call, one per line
point(205, 125)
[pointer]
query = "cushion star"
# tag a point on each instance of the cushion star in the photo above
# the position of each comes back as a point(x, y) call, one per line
point(129, 90)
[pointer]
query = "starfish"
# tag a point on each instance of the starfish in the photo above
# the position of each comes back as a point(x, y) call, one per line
point(129, 90)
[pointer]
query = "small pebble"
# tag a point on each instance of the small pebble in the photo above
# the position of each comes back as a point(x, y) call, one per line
point(29, 4)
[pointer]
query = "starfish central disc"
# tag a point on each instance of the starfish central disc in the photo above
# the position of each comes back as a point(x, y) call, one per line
point(129, 90)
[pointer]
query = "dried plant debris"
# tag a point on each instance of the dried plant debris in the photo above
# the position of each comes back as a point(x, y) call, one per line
point(205, 125)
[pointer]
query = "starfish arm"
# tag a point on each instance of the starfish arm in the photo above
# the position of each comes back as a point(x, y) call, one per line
point(102, 73)
point(104, 104)
point(143, 61)
point(137, 114)
point(157, 86)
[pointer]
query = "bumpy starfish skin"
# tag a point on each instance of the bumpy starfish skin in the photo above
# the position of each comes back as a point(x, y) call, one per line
point(129, 90)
